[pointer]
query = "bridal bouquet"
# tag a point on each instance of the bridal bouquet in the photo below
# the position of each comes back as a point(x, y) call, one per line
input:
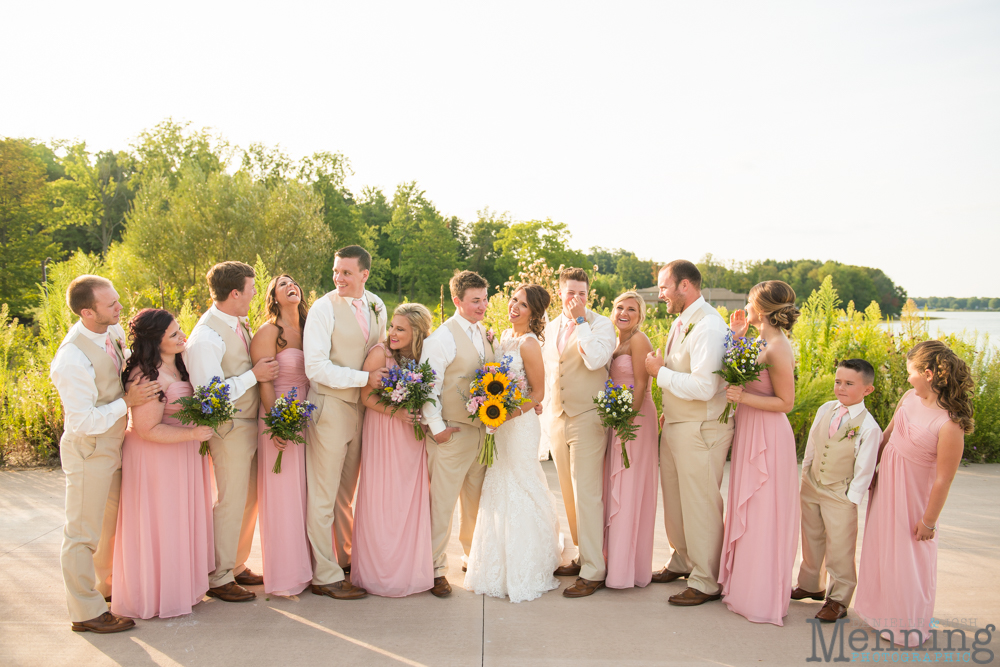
point(287, 420)
point(739, 365)
point(614, 404)
point(407, 387)
point(495, 392)
point(208, 406)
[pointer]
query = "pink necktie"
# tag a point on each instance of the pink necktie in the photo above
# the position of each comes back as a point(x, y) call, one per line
point(361, 316)
point(835, 424)
point(673, 335)
point(243, 336)
point(111, 351)
point(566, 333)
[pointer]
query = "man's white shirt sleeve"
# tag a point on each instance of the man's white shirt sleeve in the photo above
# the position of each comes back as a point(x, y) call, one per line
point(440, 350)
point(708, 343)
point(316, 343)
point(204, 353)
point(865, 455)
point(597, 342)
point(75, 380)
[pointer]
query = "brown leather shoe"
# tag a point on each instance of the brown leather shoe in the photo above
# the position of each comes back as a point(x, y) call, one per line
point(665, 576)
point(802, 594)
point(582, 588)
point(248, 578)
point(831, 611)
point(340, 590)
point(231, 592)
point(104, 624)
point(442, 588)
point(571, 570)
point(692, 597)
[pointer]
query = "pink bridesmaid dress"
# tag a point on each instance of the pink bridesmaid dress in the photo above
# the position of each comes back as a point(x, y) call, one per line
point(282, 496)
point(630, 494)
point(897, 578)
point(164, 546)
point(392, 554)
point(762, 524)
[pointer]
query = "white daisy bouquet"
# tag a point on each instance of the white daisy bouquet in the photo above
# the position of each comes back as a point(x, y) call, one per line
point(614, 404)
point(739, 365)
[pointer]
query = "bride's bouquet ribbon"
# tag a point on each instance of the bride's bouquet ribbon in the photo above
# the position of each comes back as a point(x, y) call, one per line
point(287, 420)
point(739, 365)
point(209, 405)
point(407, 387)
point(614, 405)
point(495, 391)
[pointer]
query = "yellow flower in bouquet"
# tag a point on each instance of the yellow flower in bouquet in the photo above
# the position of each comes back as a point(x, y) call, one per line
point(493, 413)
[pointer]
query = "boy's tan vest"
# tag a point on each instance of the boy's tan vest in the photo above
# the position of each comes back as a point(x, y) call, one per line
point(235, 362)
point(574, 390)
point(108, 381)
point(459, 373)
point(833, 460)
point(348, 347)
point(675, 409)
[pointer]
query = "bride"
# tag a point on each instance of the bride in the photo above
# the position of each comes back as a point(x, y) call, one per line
point(515, 546)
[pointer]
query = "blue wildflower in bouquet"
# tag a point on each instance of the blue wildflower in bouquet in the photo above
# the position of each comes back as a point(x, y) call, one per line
point(496, 390)
point(739, 365)
point(210, 405)
point(614, 405)
point(288, 420)
point(407, 387)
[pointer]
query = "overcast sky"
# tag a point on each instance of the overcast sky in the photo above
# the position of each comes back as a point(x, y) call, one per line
point(863, 132)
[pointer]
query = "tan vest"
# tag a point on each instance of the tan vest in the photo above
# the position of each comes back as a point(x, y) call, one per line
point(348, 347)
point(108, 380)
point(574, 390)
point(236, 361)
point(833, 460)
point(675, 409)
point(458, 374)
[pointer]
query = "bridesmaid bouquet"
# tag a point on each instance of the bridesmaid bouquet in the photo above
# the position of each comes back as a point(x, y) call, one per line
point(496, 391)
point(208, 406)
point(407, 387)
point(287, 420)
point(614, 404)
point(739, 365)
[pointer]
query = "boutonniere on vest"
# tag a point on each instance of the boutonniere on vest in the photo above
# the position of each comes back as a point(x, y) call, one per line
point(490, 337)
point(688, 330)
point(852, 433)
point(375, 309)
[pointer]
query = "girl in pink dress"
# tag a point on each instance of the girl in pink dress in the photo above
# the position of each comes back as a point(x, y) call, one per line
point(392, 554)
point(922, 448)
point(762, 524)
point(630, 494)
point(282, 496)
point(164, 547)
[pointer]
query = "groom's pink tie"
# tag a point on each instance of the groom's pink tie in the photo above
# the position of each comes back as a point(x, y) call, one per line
point(673, 335)
point(109, 346)
point(243, 336)
point(835, 424)
point(361, 316)
point(564, 336)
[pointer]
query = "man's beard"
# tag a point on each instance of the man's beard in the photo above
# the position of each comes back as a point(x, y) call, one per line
point(105, 321)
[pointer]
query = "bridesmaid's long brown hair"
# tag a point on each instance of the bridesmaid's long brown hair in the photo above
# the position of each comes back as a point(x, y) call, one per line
point(952, 379)
point(274, 310)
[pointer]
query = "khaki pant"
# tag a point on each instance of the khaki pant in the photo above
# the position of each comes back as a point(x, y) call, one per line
point(578, 445)
point(455, 476)
point(234, 459)
point(829, 539)
point(330, 460)
point(92, 466)
point(692, 460)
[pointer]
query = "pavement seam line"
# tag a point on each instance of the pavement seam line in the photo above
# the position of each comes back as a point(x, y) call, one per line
point(31, 540)
point(358, 642)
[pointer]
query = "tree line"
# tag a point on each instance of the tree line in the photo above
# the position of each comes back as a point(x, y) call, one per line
point(952, 303)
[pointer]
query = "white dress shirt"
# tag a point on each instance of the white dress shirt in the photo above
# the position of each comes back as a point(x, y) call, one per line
point(440, 350)
point(317, 339)
point(865, 445)
point(204, 352)
point(597, 341)
point(707, 344)
point(76, 381)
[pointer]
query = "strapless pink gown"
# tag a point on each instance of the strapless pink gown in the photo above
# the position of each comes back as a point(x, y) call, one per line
point(762, 524)
point(897, 578)
point(630, 495)
point(164, 546)
point(282, 496)
point(392, 554)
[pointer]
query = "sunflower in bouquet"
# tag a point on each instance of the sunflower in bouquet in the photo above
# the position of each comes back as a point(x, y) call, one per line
point(495, 391)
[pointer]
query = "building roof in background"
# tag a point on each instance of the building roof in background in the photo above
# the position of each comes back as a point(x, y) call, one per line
point(714, 295)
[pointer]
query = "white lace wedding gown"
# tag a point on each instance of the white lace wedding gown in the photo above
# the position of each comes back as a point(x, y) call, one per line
point(515, 547)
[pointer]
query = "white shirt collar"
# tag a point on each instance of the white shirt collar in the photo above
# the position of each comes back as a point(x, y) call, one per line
point(852, 410)
point(464, 323)
point(100, 339)
point(230, 320)
point(690, 310)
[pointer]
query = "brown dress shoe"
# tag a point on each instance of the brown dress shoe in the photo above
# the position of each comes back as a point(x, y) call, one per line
point(802, 594)
point(231, 592)
point(831, 611)
point(340, 590)
point(104, 624)
point(582, 588)
point(571, 570)
point(442, 588)
point(692, 597)
point(665, 576)
point(248, 578)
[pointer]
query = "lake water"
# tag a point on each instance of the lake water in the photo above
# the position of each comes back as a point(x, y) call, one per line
point(947, 322)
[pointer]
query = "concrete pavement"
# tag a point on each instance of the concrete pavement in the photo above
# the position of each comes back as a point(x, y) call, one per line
point(630, 627)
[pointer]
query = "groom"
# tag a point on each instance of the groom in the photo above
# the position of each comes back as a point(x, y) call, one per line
point(578, 346)
point(455, 351)
point(693, 444)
